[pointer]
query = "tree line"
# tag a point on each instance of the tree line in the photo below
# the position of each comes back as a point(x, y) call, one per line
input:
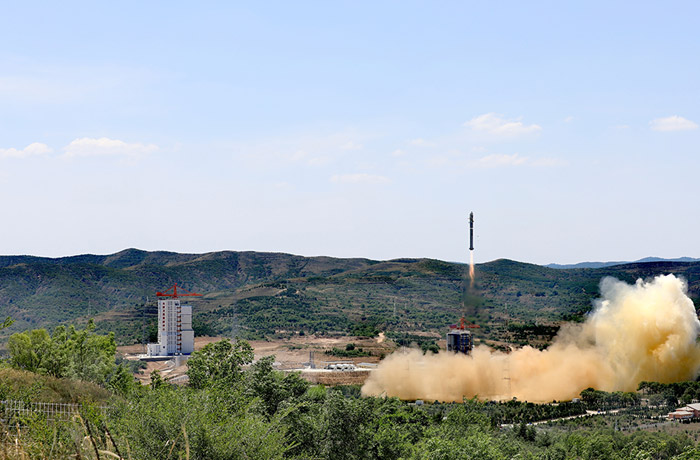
point(235, 407)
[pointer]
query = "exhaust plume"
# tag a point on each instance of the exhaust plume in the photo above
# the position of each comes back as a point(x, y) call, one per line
point(471, 268)
point(646, 331)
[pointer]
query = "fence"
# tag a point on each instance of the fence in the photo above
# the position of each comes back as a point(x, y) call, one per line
point(13, 411)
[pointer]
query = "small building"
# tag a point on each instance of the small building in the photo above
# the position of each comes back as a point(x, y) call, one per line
point(341, 367)
point(680, 415)
point(687, 413)
point(694, 408)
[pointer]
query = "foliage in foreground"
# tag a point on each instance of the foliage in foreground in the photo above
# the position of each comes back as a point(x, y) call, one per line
point(233, 412)
point(71, 353)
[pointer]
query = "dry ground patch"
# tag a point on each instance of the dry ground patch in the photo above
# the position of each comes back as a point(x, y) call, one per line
point(290, 354)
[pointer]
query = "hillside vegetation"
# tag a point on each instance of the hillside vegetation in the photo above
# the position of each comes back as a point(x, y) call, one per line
point(255, 295)
point(235, 408)
point(29, 386)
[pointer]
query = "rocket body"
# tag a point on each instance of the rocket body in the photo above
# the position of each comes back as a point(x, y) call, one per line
point(471, 231)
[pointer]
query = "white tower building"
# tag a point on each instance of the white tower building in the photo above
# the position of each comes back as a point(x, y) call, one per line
point(175, 334)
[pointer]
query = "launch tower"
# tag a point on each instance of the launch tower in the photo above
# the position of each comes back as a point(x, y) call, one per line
point(459, 339)
point(175, 334)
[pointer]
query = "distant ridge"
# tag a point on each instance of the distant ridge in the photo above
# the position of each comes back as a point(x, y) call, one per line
point(258, 295)
point(611, 264)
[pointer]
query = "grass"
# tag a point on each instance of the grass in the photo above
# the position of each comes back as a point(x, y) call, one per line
point(17, 384)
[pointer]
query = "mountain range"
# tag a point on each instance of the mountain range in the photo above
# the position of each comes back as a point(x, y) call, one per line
point(610, 264)
point(263, 295)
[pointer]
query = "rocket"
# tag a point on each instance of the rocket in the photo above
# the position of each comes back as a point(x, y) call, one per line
point(471, 231)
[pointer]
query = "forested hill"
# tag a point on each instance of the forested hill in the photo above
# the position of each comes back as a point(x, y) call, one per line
point(264, 294)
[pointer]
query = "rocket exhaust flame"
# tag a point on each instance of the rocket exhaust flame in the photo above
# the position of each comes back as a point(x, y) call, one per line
point(471, 269)
point(646, 331)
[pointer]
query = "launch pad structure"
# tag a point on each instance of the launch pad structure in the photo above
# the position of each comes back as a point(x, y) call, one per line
point(175, 333)
point(459, 339)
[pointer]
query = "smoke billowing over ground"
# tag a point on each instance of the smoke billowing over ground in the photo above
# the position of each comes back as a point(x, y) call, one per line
point(646, 331)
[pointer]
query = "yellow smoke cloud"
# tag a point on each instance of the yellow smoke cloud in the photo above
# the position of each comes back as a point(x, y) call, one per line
point(646, 331)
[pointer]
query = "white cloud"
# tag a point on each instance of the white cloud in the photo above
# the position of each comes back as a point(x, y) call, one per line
point(672, 123)
point(419, 142)
point(499, 160)
point(34, 149)
point(314, 150)
point(309, 159)
point(547, 162)
point(298, 155)
point(359, 178)
point(351, 146)
point(86, 147)
point(568, 119)
point(397, 153)
point(438, 161)
point(495, 124)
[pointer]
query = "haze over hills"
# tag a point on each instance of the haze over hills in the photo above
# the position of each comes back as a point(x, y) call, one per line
point(255, 295)
point(611, 263)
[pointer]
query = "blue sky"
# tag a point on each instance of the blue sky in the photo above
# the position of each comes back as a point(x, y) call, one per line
point(351, 129)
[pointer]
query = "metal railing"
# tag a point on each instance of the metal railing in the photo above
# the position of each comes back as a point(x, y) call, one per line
point(12, 411)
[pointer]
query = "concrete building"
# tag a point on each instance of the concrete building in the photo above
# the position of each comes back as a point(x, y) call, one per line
point(175, 334)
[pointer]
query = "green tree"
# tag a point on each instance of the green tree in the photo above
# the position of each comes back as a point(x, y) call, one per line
point(92, 354)
point(157, 380)
point(206, 424)
point(465, 434)
point(7, 323)
point(72, 353)
point(691, 453)
point(122, 381)
point(343, 428)
point(28, 349)
point(271, 386)
point(57, 359)
point(688, 396)
point(593, 398)
point(219, 364)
